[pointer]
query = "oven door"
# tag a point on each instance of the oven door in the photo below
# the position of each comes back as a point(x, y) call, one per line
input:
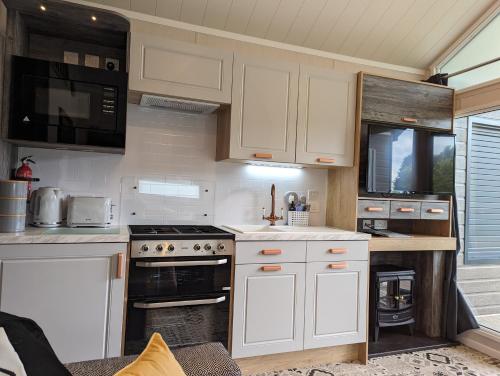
point(181, 321)
point(178, 276)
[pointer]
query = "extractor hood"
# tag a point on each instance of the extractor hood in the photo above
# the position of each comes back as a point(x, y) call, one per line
point(179, 105)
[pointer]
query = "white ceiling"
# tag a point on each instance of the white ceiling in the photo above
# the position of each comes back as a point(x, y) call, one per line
point(404, 32)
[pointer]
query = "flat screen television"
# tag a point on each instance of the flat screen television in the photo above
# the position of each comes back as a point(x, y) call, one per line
point(409, 161)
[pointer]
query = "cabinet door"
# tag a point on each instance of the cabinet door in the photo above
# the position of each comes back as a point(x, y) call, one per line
point(403, 102)
point(77, 302)
point(264, 110)
point(268, 312)
point(326, 117)
point(336, 303)
point(166, 67)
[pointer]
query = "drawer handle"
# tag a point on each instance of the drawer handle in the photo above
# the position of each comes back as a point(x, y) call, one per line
point(340, 265)
point(409, 120)
point(337, 251)
point(271, 268)
point(372, 209)
point(406, 210)
point(326, 160)
point(435, 211)
point(119, 265)
point(263, 155)
point(269, 252)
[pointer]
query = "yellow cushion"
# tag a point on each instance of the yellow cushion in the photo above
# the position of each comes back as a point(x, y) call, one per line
point(155, 360)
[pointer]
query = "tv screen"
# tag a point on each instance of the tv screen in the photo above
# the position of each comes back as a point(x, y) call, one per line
point(408, 160)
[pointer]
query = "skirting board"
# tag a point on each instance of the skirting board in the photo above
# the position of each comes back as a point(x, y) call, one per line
point(482, 340)
point(298, 359)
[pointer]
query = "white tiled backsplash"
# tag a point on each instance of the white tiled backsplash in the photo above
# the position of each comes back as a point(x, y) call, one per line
point(169, 175)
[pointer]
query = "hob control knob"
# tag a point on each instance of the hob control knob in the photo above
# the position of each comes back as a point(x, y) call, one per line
point(207, 247)
point(196, 247)
point(171, 248)
point(159, 247)
point(145, 248)
point(221, 247)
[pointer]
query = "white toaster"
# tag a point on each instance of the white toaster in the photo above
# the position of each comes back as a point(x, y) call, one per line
point(84, 211)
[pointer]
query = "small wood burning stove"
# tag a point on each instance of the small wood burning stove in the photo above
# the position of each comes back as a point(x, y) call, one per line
point(392, 298)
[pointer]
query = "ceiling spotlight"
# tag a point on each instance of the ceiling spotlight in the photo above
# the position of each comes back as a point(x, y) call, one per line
point(93, 18)
point(42, 7)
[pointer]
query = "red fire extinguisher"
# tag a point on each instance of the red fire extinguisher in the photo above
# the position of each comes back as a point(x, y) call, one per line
point(25, 173)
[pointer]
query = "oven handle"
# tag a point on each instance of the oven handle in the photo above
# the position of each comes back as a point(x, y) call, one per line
point(180, 303)
point(161, 264)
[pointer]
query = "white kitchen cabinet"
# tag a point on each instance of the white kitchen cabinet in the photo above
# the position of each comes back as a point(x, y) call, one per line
point(162, 66)
point(75, 292)
point(268, 309)
point(335, 303)
point(263, 110)
point(326, 117)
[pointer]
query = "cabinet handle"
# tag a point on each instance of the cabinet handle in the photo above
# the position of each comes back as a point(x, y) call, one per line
point(372, 209)
point(339, 265)
point(435, 211)
point(119, 265)
point(406, 210)
point(269, 252)
point(271, 268)
point(263, 155)
point(326, 160)
point(409, 120)
point(337, 251)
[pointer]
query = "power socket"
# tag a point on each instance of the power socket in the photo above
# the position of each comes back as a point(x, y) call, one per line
point(375, 224)
point(367, 224)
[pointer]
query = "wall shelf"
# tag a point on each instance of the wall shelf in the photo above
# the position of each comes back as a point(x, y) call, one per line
point(414, 243)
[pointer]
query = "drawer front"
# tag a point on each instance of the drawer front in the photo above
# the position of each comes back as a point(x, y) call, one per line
point(402, 102)
point(435, 210)
point(373, 209)
point(270, 252)
point(405, 209)
point(395, 317)
point(337, 250)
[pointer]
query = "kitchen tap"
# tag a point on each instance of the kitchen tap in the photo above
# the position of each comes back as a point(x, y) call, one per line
point(272, 218)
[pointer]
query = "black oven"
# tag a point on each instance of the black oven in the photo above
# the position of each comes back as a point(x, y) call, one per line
point(60, 103)
point(185, 299)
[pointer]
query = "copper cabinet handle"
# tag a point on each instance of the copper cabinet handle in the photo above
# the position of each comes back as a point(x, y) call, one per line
point(406, 210)
point(372, 209)
point(263, 155)
point(409, 120)
point(271, 268)
point(268, 252)
point(325, 160)
point(339, 265)
point(337, 251)
point(119, 265)
point(435, 211)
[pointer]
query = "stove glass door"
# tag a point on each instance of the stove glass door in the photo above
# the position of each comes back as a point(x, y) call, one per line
point(387, 292)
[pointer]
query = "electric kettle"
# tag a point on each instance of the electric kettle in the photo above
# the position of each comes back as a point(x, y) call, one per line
point(46, 207)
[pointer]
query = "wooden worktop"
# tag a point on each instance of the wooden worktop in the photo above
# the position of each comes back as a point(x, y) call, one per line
point(414, 243)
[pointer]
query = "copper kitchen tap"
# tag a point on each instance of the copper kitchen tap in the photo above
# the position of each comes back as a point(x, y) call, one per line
point(272, 218)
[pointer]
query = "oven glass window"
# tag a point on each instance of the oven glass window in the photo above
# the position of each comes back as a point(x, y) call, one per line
point(62, 102)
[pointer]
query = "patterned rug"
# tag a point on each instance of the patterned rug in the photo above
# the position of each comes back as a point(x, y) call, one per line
point(447, 361)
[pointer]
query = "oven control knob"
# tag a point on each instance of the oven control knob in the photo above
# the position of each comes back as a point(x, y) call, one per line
point(221, 247)
point(197, 247)
point(207, 247)
point(171, 248)
point(159, 247)
point(145, 247)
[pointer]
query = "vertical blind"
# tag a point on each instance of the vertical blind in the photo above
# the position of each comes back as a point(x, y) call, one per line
point(482, 230)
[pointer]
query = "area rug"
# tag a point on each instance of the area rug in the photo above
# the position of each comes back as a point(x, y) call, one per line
point(447, 361)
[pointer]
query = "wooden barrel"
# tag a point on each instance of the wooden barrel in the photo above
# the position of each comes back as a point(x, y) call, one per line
point(13, 205)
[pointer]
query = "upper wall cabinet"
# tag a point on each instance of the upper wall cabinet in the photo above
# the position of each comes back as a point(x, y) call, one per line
point(165, 67)
point(264, 109)
point(326, 117)
point(409, 103)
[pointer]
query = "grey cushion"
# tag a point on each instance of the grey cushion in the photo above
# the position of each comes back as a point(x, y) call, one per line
point(210, 359)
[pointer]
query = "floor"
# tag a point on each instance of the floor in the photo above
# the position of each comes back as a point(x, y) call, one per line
point(447, 361)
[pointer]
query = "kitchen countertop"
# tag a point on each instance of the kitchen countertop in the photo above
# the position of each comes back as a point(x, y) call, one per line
point(256, 233)
point(37, 235)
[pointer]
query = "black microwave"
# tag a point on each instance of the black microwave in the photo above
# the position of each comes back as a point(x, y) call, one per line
point(60, 104)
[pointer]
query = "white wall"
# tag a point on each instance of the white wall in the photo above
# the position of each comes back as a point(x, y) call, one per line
point(176, 150)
